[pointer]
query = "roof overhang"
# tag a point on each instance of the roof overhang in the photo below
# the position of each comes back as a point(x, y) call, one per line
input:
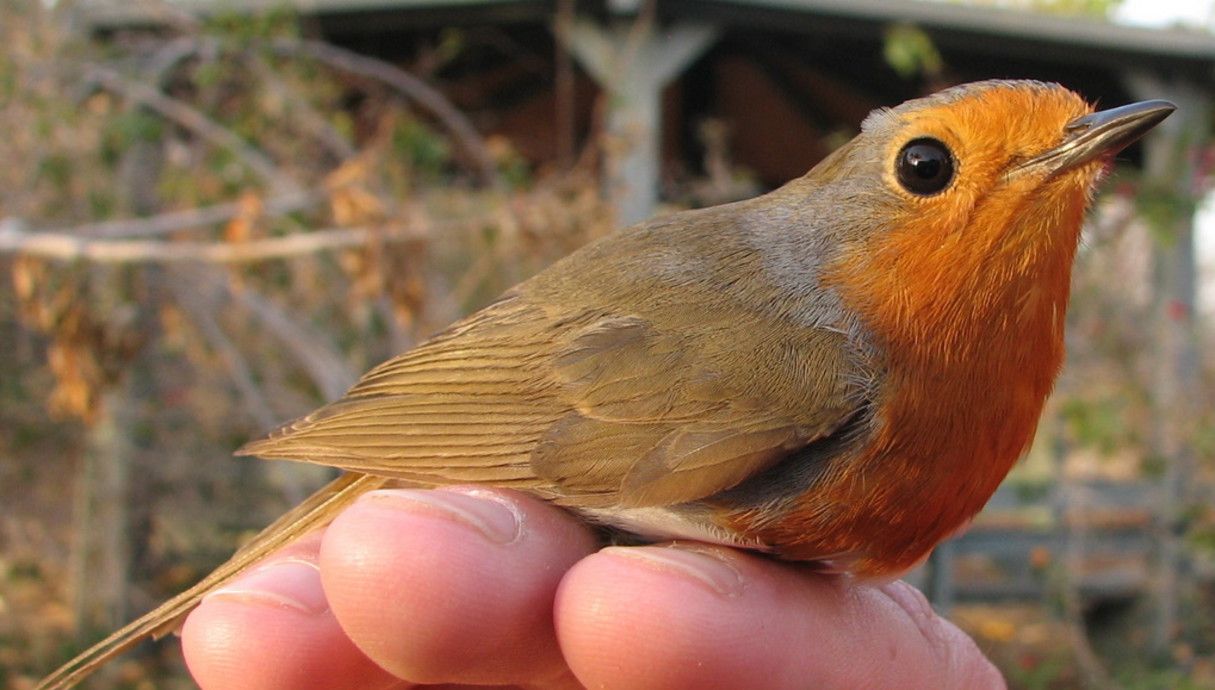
point(990, 30)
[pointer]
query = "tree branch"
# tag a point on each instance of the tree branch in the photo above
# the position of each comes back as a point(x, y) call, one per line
point(412, 87)
point(174, 221)
point(301, 109)
point(64, 247)
point(195, 121)
point(315, 351)
point(242, 376)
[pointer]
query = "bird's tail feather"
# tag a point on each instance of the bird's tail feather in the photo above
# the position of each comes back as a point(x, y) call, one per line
point(316, 511)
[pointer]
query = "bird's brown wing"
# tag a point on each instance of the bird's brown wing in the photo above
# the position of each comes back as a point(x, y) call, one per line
point(583, 408)
point(469, 405)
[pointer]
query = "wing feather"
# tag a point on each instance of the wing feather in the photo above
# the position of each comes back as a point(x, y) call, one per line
point(585, 408)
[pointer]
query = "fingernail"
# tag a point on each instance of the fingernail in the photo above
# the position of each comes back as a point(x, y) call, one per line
point(496, 519)
point(293, 584)
point(706, 567)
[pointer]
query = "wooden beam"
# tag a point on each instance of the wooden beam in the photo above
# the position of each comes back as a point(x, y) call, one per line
point(633, 63)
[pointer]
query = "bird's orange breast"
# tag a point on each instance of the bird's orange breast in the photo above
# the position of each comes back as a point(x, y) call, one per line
point(970, 328)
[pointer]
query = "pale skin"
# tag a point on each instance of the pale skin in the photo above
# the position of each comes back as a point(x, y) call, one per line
point(462, 587)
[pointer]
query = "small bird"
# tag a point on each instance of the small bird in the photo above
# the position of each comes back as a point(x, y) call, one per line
point(840, 371)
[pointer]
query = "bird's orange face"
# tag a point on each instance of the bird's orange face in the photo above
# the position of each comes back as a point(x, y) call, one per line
point(983, 139)
point(973, 214)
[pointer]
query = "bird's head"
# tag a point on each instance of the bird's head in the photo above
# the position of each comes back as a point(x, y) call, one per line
point(971, 199)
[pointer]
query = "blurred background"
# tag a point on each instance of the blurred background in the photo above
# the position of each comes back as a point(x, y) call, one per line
point(215, 215)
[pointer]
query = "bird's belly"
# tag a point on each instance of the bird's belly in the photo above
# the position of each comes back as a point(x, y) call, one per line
point(664, 523)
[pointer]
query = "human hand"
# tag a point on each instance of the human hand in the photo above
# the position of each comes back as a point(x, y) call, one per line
point(477, 586)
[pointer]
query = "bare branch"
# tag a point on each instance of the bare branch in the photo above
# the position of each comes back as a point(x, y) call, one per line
point(169, 55)
point(462, 131)
point(303, 111)
point(242, 376)
point(412, 87)
point(313, 349)
point(195, 121)
point(174, 221)
point(64, 247)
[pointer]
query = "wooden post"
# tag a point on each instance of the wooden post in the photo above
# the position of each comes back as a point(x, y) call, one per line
point(1169, 170)
point(633, 64)
point(101, 556)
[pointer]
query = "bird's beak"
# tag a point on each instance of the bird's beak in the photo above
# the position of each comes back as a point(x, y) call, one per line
point(1101, 134)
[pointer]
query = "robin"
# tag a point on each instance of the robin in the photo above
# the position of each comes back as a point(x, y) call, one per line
point(841, 371)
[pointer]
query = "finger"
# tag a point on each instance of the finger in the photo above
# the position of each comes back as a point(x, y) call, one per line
point(272, 629)
point(684, 616)
point(453, 585)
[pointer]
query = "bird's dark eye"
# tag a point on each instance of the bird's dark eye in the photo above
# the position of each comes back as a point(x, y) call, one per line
point(924, 166)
